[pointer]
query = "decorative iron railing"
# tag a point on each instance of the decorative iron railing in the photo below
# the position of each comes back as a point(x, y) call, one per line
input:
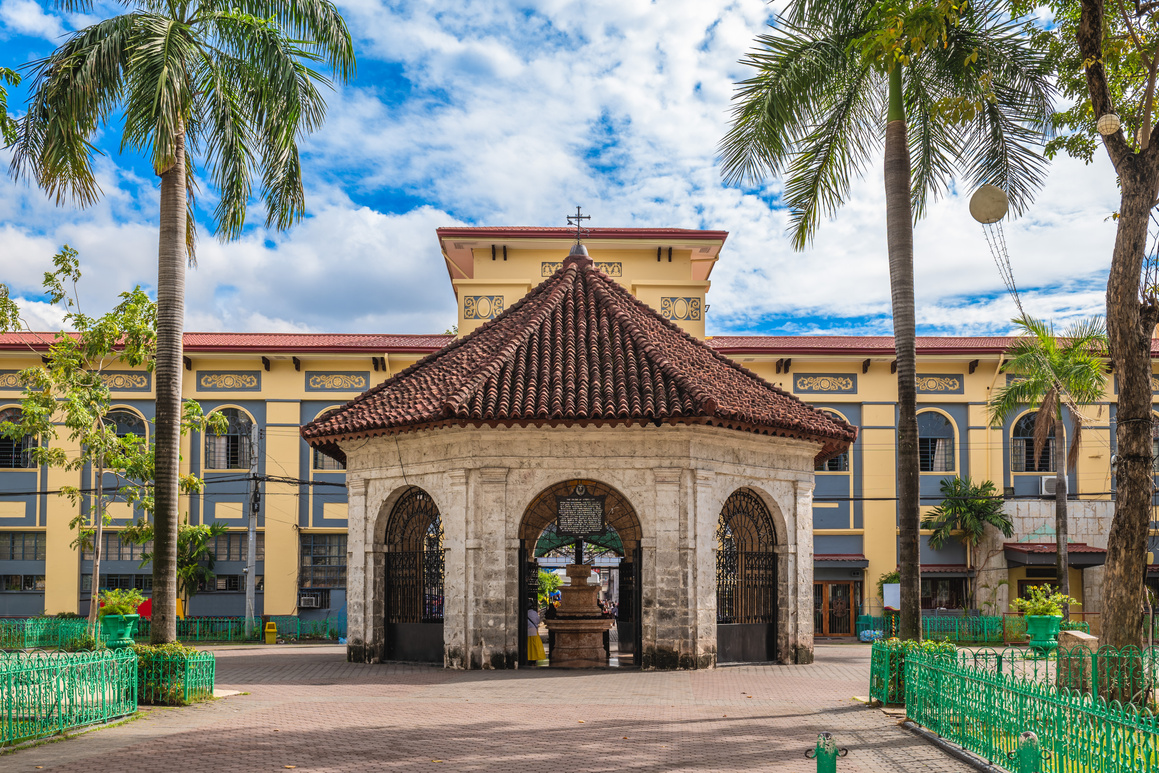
point(985, 629)
point(979, 704)
point(45, 693)
point(40, 632)
point(173, 676)
point(57, 633)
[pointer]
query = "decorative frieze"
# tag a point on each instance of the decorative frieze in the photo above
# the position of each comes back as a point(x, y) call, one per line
point(482, 306)
point(825, 383)
point(229, 381)
point(1154, 383)
point(938, 383)
point(345, 381)
point(611, 268)
point(127, 380)
point(683, 309)
point(10, 380)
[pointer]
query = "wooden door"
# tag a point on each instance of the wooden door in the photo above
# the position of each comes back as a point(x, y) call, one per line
point(833, 607)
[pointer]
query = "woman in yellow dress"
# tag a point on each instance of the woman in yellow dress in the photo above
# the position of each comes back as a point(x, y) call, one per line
point(535, 649)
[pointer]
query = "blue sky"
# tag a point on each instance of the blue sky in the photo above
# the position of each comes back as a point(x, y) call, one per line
point(501, 112)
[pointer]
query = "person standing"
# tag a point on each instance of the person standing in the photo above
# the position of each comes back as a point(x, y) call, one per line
point(535, 651)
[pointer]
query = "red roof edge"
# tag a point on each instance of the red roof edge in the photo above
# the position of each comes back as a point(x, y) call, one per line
point(688, 234)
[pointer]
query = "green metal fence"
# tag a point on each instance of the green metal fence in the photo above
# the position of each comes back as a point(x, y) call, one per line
point(984, 629)
point(45, 693)
point(171, 675)
point(986, 710)
point(887, 667)
point(40, 632)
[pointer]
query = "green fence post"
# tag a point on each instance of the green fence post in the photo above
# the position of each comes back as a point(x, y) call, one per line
point(826, 753)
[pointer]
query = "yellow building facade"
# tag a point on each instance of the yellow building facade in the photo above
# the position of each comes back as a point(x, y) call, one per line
point(278, 382)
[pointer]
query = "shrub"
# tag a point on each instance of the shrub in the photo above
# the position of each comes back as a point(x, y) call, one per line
point(173, 674)
point(1043, 602)
point(120, 602)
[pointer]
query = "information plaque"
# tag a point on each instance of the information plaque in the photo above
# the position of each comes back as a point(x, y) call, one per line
point(580, 514)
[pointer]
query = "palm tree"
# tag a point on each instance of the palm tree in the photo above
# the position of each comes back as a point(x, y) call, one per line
point(227, 81)
point(831, 79)
point(1056, 375)
point(7, 123)
point(965, 512)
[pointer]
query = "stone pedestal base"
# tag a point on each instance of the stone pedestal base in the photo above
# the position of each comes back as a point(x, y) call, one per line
point(579, 643)
point(578, 631)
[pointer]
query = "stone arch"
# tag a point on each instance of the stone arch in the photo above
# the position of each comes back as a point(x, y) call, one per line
point(411, 572)
point(620, 515)
point(749, 575)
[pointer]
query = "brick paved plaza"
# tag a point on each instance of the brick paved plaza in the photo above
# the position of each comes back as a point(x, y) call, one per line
point(309, 709)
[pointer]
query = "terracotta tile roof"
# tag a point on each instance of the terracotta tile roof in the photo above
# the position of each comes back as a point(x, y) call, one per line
point(945, 569)
point(578, 348)
point(559, 232)
point(1050, 547)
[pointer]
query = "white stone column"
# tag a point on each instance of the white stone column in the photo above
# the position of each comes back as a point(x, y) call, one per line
point(453, 512)
point(704, 517)
point(802, 642)
point(360, 646)
point(487, 628)
point(671, 647)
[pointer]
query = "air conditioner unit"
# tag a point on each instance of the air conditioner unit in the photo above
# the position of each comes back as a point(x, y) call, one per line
point(1049, 484)
point(308, 602)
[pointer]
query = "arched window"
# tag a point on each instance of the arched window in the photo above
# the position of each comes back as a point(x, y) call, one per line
point(231, 449)
point(935, 443)
point(322, 462)
point(839, 463)
point(1022, 447)
point(126, 422)
point(15, 454)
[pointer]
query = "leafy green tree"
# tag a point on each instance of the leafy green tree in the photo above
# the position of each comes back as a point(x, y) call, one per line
point(1056, 375)
point(69, 393)
point(1106, 57)
point(228, 82)
point(967, 508)
point(7, 123)
point(549, 582)
point(833, 77)
point(195, 557)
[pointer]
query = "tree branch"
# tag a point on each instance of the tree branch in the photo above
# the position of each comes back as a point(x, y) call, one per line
point(1090, 40)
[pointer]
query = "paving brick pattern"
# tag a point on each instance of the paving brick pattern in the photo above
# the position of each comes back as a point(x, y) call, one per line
point(309, 709)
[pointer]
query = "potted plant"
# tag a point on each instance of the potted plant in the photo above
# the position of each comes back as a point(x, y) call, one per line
point(118, 615)
point(1043, 613)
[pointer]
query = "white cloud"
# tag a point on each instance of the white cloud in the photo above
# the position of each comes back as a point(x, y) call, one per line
point(27, 17)
point(510, 113)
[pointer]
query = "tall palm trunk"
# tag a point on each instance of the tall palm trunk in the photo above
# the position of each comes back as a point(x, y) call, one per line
point(900, 238)
point(171, 256)
point(1060, 525)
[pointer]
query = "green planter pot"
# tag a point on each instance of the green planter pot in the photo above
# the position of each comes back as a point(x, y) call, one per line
point(1043, 631)
point(118, 630)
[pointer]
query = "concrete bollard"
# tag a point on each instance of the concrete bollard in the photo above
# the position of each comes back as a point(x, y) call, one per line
point(1074, 653)
point(1028, 758)
point(826, 753)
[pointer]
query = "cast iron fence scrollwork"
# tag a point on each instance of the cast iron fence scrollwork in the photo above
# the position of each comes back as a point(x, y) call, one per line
point(414, 561)
point(746, 566)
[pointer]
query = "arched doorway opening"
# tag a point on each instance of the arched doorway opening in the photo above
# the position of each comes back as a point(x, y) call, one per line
point(746, 581)
point(614, 555)
point(414, 569)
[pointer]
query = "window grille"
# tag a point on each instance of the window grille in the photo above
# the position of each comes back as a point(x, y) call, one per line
point(22, 582)
point(22, 546)
point(15, 454)
point(324, 462)
point(1022, 448)
point(935, 443)
point(230, 450)
point(234, 546)
point(126, 422)
point(839, 463)
point(114, 549)
point(142, 582)
point(323, 561)
point(943, 592)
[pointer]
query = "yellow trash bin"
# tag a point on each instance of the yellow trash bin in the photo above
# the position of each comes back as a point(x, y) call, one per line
point(271, 632)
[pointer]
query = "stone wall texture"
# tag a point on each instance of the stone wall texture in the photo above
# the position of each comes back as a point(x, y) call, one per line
point(677, 479)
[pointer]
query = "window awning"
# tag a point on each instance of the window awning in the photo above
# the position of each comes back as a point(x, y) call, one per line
point(839, 561)
point(1080, 555)
point(946, 570)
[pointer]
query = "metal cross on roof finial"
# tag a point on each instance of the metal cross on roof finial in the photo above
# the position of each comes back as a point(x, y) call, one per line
point(577, 220)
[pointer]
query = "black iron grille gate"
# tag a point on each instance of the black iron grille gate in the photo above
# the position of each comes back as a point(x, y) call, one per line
point(414, 571)
point(746, 580)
